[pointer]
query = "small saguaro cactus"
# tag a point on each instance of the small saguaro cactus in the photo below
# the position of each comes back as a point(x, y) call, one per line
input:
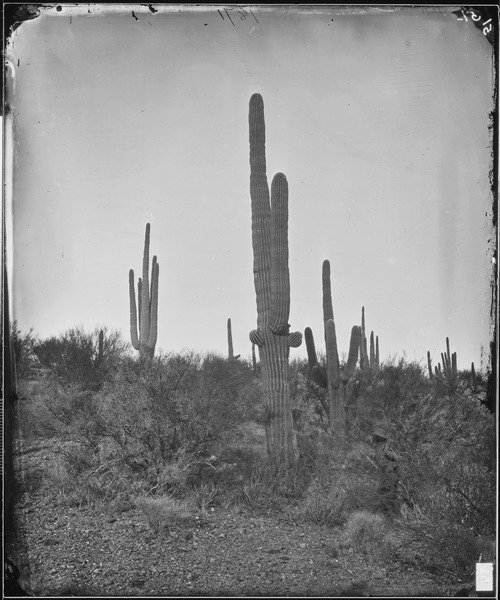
point(230, 352)
point(473, 376)
point(336, 378)
point(367, 361)
point(429, 365)
point(146, 310)
point(272, 289)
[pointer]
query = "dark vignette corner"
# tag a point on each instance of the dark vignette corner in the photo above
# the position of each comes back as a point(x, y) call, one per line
point(13, 15)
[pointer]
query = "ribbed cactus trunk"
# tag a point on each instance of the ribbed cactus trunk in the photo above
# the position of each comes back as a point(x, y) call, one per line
point(146, 310)
point(272, 288)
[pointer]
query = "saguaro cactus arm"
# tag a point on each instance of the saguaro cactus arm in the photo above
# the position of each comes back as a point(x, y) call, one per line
point(352, 358)
point(133, 311)
point(280, 279)
point(153, 319)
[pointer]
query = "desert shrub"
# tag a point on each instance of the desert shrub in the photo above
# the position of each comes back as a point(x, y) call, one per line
point(307, 395)
point(342, 482)
point(156, 425)
point(24, 344)
point(73, 357)
point(444, 440)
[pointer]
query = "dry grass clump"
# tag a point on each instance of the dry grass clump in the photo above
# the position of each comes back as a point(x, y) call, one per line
point(369, 533)
point(162, 512)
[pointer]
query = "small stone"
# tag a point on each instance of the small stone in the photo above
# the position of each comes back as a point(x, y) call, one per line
point(51, 542)
point(331, 551)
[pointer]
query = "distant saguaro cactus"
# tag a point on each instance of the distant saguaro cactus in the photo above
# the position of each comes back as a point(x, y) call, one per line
point(369, 361)
point(473, 376)
point(363, 348)
point(336, 377)
point(272, 288)
point(230, 351)
point(146, 310)
point(429, 365)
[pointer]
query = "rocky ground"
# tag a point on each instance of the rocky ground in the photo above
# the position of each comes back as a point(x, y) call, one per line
point(85, 551)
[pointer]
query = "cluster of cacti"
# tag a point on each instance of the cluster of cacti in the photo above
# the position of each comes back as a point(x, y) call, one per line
point(371, 361)
point(448, 370)
point(336, 378)
point(146, 309)
point(272, 288)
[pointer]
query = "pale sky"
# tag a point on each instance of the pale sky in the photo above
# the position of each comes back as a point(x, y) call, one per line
point(378, 119)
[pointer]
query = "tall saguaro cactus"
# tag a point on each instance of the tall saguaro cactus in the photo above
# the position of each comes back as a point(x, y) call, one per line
point(272, 288)
point(146, 309)
point(336, 378)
